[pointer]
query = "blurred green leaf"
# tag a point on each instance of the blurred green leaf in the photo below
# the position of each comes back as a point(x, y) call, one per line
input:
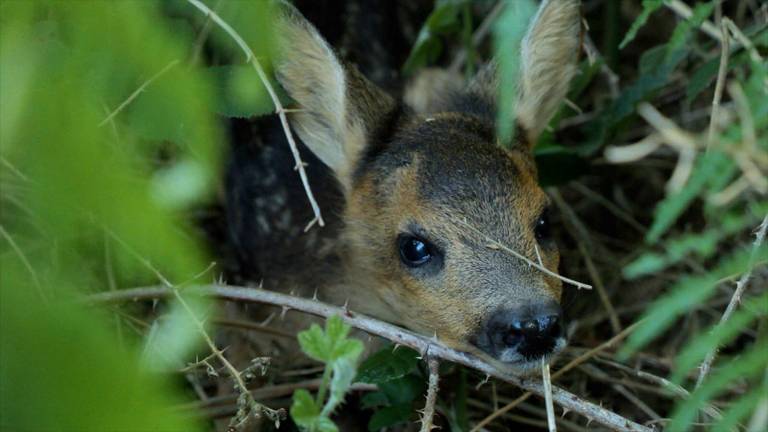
point(703, 244)
point(344, 371)
point(649, 7)
point(62, 370)
point(716, 336)
point(443, 19)
point(686, 294)
point(656, 69)
point(747, 366)
point(740, 409)
point(241, 93)
point(507, 35)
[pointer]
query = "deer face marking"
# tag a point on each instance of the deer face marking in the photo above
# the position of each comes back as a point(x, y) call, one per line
point(433, 206)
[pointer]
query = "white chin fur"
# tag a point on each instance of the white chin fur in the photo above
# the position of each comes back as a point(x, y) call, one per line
point(513, 360)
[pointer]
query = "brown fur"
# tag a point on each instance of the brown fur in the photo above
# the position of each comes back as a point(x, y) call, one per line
point(439, 176)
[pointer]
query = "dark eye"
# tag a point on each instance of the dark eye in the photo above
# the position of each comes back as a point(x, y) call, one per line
point(542, 229)
point(414, 252)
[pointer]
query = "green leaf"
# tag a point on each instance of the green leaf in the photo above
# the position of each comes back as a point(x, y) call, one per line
point(240, 91)
point(443, 19)
point(657, 70)
point(747, 366)
point(390, 416)
point(314, 343)
point(387, 365)
point(405, 389)
point(61, 368)
point(304, 411)
point(741, 408)
point(344, 370)
point(373, 399)
point(649, 6)
point(705, 74)
point(703, 244)
point(329, 345)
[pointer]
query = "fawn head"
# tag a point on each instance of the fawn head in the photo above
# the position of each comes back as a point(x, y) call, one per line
point(433, 204)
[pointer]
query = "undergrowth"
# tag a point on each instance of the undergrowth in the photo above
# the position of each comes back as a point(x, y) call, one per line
point(110, 144)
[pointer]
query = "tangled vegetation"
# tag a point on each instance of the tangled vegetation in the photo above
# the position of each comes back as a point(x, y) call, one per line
point(111, 145)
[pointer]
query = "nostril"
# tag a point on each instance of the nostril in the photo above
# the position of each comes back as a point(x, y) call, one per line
point(513, 336)
point(530, 327)
point(550, 325)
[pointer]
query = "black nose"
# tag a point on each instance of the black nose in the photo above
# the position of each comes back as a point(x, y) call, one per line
point(532, 332)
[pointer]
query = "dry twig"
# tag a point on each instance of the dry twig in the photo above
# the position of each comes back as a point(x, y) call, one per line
point(722, 71)
point(547, 380)
point(428, 414)
point(741, 285)
point(498, 245)
point(572, 364)
point(279, 110)
point(391, 332)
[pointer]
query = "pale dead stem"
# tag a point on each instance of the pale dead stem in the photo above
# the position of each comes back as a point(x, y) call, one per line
point(546, 379)
point(722, 71)
point(247, 405)
point(572, 364)
point(279, 110)
point(664, 383)
point(741, 285)
point(398, 335)
point(495, 244)
point(428, 414)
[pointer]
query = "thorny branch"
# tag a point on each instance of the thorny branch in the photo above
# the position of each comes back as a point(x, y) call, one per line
point(398, 335)
point(428, 415)
point(247, 405)
point(741, 285)
point(572, 364)
point(251, 58)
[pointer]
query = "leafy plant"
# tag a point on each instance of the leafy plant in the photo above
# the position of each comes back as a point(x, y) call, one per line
point(106, 143)
point(340, 355)
point(395, 371)
point(717, 164)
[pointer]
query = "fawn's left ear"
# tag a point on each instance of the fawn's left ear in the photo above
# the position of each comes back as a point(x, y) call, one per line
point(549, 55)
point(338, 108)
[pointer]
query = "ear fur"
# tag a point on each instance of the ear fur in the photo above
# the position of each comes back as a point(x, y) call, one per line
point(549, 50)
point(338, 107)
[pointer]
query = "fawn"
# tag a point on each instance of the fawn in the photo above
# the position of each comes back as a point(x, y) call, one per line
point(406, 194)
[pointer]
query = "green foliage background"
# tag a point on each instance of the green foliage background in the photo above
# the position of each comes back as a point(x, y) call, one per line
point(109, 138)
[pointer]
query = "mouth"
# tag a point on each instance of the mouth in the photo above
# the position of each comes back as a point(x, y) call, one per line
point(526, 363)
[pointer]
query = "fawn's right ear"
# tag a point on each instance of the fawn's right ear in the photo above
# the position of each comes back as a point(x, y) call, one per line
point(338, 107)
point(549, 55)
